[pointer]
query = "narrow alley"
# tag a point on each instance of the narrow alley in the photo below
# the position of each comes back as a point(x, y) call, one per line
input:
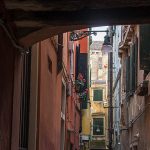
point(75, 75)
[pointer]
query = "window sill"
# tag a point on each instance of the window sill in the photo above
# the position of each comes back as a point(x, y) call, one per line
point(98, 101)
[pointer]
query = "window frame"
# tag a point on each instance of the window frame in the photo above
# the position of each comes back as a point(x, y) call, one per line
point(103, 126)
point(98, 101)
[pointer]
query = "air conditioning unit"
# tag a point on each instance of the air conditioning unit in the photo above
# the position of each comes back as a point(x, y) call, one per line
point(105, 104)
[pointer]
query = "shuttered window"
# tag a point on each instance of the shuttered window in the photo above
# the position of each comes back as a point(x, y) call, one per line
point(131, 69)
point(136, 61)
point(145, 47)
point(77, 60)
point(59, 53)
point(97, 95)
point(81, 67)
point(98, 126)
point(127, 74)
point(131, 66)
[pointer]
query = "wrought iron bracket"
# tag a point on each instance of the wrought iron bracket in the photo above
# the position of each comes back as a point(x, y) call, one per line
point(78, 35)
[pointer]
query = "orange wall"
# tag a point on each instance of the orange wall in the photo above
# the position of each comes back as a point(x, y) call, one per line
point(84, 44)
point(49, 107)
point(65, 49)
point(72, 114)
point(49, 100)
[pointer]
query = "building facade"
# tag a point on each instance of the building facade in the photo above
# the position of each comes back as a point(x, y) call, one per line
point(134, 85)
point(116, 39)
point(98, 96)
point(45, 107)
point(73, 103)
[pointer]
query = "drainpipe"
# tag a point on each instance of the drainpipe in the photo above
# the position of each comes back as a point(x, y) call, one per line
point(110, 87)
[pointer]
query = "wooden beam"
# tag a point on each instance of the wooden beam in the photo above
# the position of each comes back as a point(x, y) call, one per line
point(85, 16)
point(51, 18)
point(71, 5)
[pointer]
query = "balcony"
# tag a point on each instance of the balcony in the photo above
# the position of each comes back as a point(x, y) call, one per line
point(127, 32)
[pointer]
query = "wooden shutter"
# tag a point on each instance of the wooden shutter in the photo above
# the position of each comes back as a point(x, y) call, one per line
point(132, 72)
point(136, 61)
point(145, 47)
point(77, 60)
point(90, 78)
point(127, 74)
point(59, 53)
point(132, 68)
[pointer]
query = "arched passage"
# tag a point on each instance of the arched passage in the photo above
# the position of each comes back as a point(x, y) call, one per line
point(36, 20)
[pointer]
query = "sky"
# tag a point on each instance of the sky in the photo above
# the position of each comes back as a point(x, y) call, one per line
point(100, 35)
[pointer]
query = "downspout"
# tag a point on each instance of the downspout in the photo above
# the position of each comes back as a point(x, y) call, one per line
point(110, 113)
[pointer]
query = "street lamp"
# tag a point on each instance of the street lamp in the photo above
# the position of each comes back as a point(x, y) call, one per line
point(78, 35)
point(107, 47)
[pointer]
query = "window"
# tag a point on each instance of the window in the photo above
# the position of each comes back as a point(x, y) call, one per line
point(98, 126)
point(144, 47)
point(59, 53)
point(131, 68)
point(100, 66)
point(98, 95)
point(127, 74)
point(133, 65)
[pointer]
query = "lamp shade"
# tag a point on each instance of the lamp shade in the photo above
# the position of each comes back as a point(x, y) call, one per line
point(98, 129)
point(106, 48)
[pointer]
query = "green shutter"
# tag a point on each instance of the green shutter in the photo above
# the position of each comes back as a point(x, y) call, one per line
point(136, 61)
point(98, 95)
point(90, 77)
point(145, 47)
point(132, 68)
point(98, 126)
point(127, 74)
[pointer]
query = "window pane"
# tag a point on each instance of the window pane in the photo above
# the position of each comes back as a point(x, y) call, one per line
point(98, 126)
point(98, 95)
